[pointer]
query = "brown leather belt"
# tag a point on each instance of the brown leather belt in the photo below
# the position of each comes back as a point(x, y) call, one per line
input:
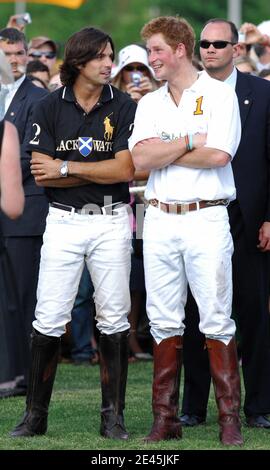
point(187, 206)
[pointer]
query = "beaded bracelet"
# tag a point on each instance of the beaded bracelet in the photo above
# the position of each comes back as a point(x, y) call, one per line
point(189, 142)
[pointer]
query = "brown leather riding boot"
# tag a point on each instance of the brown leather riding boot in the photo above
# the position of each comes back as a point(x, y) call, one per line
point(166, 382)
point(44, 359)
point(114, 353)
point(225, 374)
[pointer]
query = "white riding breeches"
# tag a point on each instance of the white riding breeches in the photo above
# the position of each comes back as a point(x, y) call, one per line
point(196, 249)
point(104, 243)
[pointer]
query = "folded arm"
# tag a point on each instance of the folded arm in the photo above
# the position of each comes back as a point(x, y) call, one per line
point(115, 170)
point(154, 153)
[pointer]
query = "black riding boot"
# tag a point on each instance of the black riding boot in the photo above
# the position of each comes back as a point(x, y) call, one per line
point(44, 359)
point(113, 372)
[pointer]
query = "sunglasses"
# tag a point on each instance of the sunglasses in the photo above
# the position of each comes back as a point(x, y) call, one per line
point(38, 54)
point(139, 68)
point(217, 44)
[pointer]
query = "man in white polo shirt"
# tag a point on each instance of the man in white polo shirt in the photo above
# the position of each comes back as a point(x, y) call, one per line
point(186, 134)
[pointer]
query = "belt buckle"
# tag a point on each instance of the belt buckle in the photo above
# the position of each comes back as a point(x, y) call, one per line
point(153, 202)
point(184, 208)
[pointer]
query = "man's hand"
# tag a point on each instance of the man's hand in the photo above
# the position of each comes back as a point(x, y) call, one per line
point(12, 23)
point(264, 237)
point(199, 140)
point(137, 92)
point(253, 34)
point(45, 168)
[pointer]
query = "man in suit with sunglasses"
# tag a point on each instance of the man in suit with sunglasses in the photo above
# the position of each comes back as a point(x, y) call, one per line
point(250, 226)
point(22, 237)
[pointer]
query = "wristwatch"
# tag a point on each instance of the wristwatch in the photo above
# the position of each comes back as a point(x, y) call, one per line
point(64, 169)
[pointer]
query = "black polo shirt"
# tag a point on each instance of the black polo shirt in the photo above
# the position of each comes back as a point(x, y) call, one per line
point(62, 129)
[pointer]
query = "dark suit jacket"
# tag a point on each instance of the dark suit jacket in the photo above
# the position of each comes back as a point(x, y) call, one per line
point(253, 180)
point(32, 222)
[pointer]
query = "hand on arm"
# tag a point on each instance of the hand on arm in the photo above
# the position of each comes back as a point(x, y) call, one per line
point(154, 153)
point(46, 172)
point(203, 157)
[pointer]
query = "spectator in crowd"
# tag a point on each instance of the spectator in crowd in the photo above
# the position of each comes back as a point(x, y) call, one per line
point(19, 21)
point(45, 50)
point(11, 203)
point(22, 237)
point(265, 73)
point(36, 68)
point(133, 73)
point(259, 38)
point(54, 82)
point(263, 54)
point(245, 64)
point(249, 217)
point(86, 179)
point(186, 232)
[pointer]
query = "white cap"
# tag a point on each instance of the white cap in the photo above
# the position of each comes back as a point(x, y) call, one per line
point(264, 27)
point(130, 54)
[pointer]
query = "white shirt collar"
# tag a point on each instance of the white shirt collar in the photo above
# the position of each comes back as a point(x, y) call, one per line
point(231, 79)
point(15, 85)
point(12, 89)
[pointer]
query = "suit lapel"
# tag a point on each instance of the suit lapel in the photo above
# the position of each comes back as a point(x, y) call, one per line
point(244, 94)
point(16, 102)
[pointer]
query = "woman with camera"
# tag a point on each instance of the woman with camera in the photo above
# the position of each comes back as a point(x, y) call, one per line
point(133, 73)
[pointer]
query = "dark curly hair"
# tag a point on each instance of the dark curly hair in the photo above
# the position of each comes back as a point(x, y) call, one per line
point(80, 48)
point(13, 36)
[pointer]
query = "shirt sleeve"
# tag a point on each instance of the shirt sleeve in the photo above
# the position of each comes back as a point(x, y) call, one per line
point(124, 126)
point(144, 124)
point(42, 137)
point(224, 126)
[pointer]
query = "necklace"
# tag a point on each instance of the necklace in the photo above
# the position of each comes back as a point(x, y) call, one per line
point(172, 97)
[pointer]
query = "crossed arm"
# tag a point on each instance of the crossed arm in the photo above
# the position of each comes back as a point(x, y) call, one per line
point(154, 153)
point(46, 171)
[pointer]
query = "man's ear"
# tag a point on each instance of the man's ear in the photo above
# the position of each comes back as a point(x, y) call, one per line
point(237, 48)
point(180, 49)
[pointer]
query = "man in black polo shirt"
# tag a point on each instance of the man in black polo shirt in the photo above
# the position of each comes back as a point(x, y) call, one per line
point(80, 154)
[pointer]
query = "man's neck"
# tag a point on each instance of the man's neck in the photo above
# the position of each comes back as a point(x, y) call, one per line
point(220, 74)
point(181, 81)
point(87, 96)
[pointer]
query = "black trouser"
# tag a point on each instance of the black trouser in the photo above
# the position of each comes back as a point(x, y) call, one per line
point(23, 255)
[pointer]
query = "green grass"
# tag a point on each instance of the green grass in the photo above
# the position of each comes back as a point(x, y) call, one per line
point(74, 417)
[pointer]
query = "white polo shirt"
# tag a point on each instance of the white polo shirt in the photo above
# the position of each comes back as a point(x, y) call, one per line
point(208, 106)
